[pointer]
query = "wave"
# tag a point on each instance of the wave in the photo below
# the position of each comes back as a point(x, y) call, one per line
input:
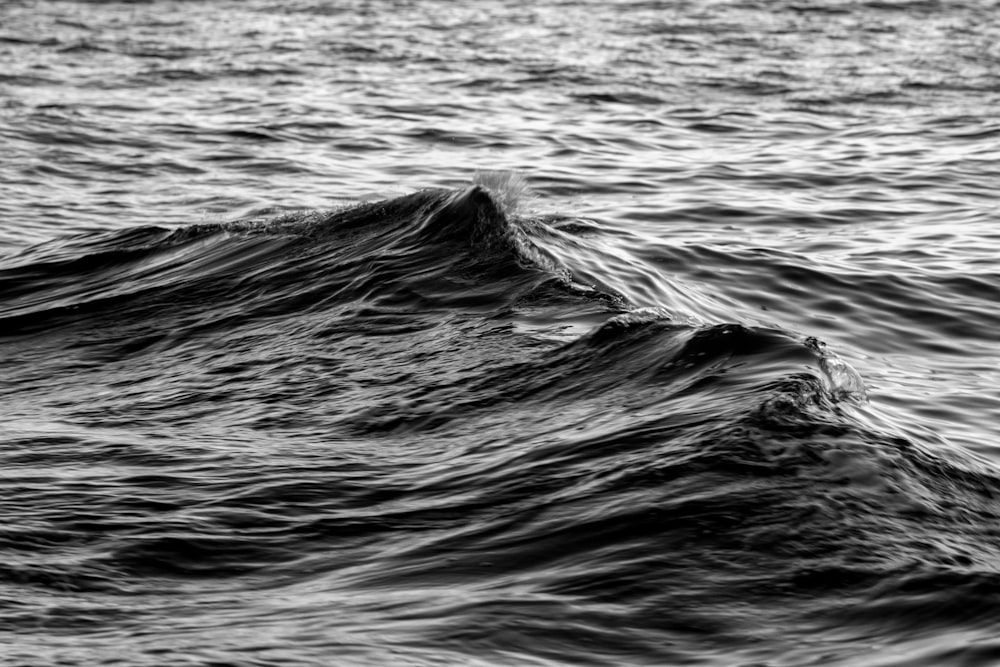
point(446, 248)
point(442, 394)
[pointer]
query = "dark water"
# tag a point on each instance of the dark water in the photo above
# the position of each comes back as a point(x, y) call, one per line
point(570, 333)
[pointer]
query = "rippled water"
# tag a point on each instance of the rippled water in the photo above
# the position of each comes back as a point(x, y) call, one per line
point(499, 333)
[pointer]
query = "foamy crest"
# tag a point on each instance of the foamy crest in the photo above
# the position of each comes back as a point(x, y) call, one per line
point(508, 188)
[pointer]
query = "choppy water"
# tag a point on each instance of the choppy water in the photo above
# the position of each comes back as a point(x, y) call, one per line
point(559, 333)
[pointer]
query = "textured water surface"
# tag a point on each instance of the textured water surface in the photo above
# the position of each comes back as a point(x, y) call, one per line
point(499, 333)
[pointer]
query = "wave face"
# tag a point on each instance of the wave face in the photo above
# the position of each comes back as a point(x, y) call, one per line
point(286, 382)
point(408, 428)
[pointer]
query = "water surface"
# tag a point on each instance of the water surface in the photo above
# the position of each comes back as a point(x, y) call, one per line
point(573, 333)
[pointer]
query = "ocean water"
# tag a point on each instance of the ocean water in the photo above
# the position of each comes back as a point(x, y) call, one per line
point(499, 333)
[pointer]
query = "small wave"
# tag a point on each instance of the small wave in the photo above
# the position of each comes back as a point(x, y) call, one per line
point(445, 246)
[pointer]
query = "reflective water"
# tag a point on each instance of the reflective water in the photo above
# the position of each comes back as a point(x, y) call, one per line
point(706, 373)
